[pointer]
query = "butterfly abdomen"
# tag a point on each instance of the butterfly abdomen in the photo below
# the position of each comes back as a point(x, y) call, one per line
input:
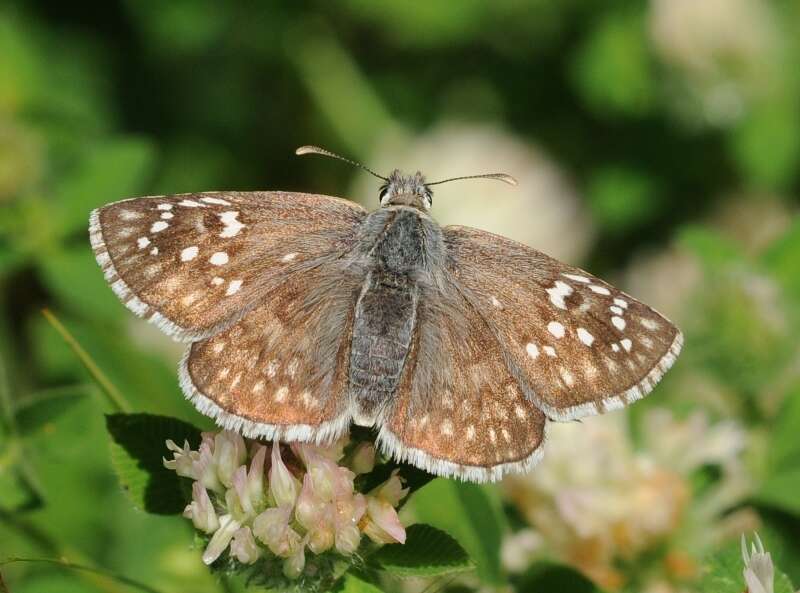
point(386, 310)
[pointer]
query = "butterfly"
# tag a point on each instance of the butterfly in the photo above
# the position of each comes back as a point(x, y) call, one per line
point(306, 313)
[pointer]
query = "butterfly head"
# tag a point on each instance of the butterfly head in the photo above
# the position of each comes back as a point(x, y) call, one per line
point(406, 190)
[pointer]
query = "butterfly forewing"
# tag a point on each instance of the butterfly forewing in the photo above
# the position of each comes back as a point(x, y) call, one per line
point(458, 411)
point(576, 344)
point(194, 263)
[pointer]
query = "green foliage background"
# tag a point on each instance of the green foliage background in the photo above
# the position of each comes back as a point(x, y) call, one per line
point(108, 100)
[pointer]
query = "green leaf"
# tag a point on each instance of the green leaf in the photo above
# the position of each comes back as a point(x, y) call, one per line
point(111, 171)
point(767, 143)
point(470, 513)
point(782, 260)
point(350, 583)
point(77, 282)
point(37, 410)
point(554, 577)
point(616, 50)
point(621, 198)
point(713, 250)
point(136, 454)
point(427, 552)
point(782, 482)
point(722, 573)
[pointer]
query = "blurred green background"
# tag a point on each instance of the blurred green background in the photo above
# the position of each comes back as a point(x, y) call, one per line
point(657, 144)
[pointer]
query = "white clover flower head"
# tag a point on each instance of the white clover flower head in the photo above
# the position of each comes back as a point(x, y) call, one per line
point(759, 572)
point(306, 500)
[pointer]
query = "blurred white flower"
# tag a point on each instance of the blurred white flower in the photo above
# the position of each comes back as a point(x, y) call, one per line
point(543, 211)
point(759, 573)
point(725, 50)
point(598, 500)
point(308, 501)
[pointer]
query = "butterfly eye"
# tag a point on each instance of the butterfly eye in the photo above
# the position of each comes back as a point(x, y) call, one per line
point(383, 191)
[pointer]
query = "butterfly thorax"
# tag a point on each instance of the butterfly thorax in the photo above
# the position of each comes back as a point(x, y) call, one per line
point(406, 190)
point(386, 310)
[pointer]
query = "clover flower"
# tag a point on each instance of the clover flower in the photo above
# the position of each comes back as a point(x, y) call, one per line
point(257, 501)
point(759, 573)
point(619, 510)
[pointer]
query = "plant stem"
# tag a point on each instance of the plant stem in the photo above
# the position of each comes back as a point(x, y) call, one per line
point(80, 567)
point(114, 395)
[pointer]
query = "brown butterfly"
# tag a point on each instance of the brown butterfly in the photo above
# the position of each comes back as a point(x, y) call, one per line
point(305, 313)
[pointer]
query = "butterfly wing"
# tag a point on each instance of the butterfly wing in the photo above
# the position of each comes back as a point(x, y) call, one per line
point(281, 370)
point(457, 410)
point(194, 263)
point(577, 345)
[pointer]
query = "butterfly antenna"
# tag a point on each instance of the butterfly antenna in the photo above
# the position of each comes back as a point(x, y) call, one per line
point(317, 150)
point(498, 176)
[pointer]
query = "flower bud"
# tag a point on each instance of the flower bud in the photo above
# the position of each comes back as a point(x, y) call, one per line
point(381, 523)
point(229, 454)
point(255, 478)
point(201, 511)
point(197, 465)
point(320, 540)
point(391, 490)
point(221, 538)
point(272, 528)
point(347, 539)
point(244, 547)
point(363, 458)
point(282, 484)
point(294, 564)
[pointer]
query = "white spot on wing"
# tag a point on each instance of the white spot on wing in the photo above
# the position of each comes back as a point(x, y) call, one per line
point(281, 394)
point(532, 350)
point(218, 201)
point(616, 310)
point(129, 215)
point(599, 289)
point(142, 242)
point(577, 278)
point(627, 344)
point(216, 281)
point(555, 328)
point(233, 287)
point(618, 322)
point(232, 226)
point(190, 253)
point(550, 351)
point(190, 204)
point(614, 347)
point(495, 302)
point(167, 215)
point(621, 303)
point(220, 258)
point(158, 226)
point(567, 377)
point(288, 257)
point(447, 427)
point(154, 251)
point(558, 293)
point(585, 337)
point(470, 432)
point(165, 206)
point(649, 323)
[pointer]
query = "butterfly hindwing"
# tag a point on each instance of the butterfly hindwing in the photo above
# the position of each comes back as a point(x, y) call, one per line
point(194, 263)
point(458, 411)
point(281, 370)
point(577, 345)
